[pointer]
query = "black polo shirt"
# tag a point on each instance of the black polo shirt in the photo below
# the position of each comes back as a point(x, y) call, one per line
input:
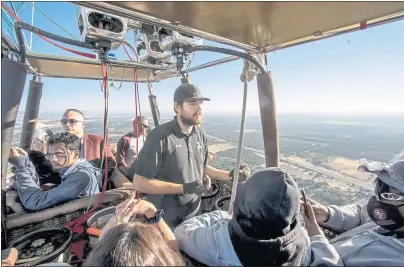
point(171, 155)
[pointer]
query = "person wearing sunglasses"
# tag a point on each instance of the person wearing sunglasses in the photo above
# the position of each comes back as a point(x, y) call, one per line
point(92, 146)
point(130, 144)
point(78, 176)
point(373, 234)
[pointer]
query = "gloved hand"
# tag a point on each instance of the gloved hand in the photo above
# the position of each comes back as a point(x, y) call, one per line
point(244, 172)
point(196, 187)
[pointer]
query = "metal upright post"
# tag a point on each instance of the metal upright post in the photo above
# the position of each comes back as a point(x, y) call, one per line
point(31, 112)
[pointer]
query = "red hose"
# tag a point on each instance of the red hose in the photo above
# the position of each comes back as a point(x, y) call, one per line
point(3, 5)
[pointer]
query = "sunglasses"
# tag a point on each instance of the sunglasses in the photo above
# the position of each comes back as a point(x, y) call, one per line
point(70, 121)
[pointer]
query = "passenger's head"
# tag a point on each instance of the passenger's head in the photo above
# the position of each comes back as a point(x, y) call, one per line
point(386, 207)
point(188, 104)
point(73, 122)
point(133, 244)
point(63, 150)
point(142, 124)
point(265, 218)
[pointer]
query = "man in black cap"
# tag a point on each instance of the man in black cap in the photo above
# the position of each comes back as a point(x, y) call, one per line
point(263, 231)
point(173, 160)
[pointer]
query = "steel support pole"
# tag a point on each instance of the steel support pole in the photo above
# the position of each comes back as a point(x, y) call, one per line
point(31, 112)
point(268, 119)
point(13, 78)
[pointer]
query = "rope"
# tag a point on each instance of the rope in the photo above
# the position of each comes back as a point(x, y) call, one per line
point(104, 184)
point(240, 145)
point(137, 107)
point(46, 15)
point(77, 224)
point(3, 5)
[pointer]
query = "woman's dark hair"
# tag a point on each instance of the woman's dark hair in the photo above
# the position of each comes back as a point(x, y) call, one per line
point(133, 244)
point(44, 168)
point(71, 141)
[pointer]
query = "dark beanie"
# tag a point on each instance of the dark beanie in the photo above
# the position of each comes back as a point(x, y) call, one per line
point(264, 229)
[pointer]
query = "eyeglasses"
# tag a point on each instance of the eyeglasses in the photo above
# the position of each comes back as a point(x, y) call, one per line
point(56, 156)
point(70, 121)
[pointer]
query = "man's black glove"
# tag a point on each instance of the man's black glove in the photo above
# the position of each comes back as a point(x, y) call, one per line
point(196, 187)
point(244, 172)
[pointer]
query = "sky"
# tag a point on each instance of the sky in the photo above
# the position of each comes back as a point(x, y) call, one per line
point(355, 73)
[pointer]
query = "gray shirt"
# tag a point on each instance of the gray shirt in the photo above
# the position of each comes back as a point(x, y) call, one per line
point(171, 155)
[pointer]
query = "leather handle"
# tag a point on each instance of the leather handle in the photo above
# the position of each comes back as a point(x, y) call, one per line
point(94, 232)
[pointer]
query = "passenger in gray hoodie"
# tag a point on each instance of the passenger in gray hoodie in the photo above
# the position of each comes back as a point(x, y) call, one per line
point(372, 235)
point(79, 177)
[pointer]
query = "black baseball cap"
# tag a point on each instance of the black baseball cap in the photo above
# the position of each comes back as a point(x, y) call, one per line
point(187, 93)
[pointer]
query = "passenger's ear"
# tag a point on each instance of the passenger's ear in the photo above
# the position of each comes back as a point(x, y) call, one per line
point(76, 154)
point(84, 124)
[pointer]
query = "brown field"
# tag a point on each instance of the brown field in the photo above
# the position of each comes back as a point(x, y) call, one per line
point(348, 167)
point(220, 147)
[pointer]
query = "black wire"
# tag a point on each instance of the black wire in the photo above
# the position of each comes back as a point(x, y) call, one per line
point(250, 58)
point(18, 26)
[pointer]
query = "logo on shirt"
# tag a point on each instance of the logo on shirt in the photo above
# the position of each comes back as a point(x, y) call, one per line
point(177, 146)
point(198, 145)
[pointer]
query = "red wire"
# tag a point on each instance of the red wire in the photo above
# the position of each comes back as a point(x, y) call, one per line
point(3, 5)
point(126, 51)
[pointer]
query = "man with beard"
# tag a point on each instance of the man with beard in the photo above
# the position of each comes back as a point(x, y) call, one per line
point(371, 235)
point(173, 160)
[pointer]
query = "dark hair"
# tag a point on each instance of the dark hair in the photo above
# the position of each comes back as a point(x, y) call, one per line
point(44, 168)
point(71, 141)
point(133, 244)
point(74, 110)
point(179, 104)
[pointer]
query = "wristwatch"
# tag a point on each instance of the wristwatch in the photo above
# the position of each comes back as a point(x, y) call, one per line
point(231, 175)
point(157, 217)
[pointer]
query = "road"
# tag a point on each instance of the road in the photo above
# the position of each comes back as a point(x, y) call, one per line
point(307, 166)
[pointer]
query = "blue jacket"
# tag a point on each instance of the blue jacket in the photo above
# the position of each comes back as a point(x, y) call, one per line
point(77, 182)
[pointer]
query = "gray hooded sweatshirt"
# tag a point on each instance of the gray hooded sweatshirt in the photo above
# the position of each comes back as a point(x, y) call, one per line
point(362, 243)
